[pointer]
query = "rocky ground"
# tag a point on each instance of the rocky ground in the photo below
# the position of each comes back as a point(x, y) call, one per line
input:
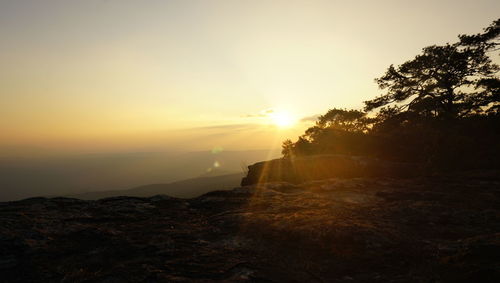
point(426, 229)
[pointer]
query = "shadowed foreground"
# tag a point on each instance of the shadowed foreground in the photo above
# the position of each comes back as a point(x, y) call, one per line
point(423, 229)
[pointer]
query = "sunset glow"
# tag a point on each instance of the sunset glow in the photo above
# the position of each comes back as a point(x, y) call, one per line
point(282, 119)
point(249, 140)
point(136, 75)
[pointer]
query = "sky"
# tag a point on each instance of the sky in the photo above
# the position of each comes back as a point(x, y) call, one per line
point(114, 75)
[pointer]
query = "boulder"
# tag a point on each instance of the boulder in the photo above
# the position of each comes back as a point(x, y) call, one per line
point(318, 167)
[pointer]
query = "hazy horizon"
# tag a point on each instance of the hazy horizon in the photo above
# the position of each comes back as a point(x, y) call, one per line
point(104, 95)
point(249, 140)
point(63, 175)
point(127, 76)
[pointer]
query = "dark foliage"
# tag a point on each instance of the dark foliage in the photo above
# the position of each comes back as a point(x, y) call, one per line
point(441, 108)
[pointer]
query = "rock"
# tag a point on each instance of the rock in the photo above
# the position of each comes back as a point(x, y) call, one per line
point(318, 167)
point(365, 229)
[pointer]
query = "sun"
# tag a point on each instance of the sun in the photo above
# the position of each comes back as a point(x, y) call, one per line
point(282, 119)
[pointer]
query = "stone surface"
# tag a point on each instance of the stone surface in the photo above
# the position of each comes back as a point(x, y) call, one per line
point(318, 167)
point(426, 229)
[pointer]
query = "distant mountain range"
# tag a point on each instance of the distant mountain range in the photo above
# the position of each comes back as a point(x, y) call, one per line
point(79, 174)
point(182, 189)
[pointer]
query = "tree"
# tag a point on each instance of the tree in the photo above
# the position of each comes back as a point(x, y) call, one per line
point(442, 108)
point(287, 148)
point(336, 119)
point(301, 147)
point(338, 131)
point(344, 120)
point(489, 39)
point(447, 81)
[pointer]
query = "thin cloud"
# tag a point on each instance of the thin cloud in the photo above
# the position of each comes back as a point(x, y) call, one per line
point(226, 127)
point(261, 114)
point(312, 118)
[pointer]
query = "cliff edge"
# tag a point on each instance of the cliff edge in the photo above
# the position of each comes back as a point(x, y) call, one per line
point(318, 167)
point(422, 229)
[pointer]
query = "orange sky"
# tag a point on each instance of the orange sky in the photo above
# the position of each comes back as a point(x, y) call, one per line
point(192, 75)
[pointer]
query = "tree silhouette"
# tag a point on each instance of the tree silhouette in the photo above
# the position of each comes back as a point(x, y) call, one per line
point(448, 81)
point(287, 148)
point(345, 120)
point(441, 108)
point(489, 39)
point(337, 120)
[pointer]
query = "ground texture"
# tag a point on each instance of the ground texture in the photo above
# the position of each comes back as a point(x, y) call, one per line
point(426, 229)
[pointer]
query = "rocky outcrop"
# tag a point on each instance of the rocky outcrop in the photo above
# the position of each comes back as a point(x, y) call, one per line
point(425, 229)
point(318, 167)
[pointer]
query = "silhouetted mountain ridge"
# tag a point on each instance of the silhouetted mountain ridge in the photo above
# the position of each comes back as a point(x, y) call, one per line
point(182, 189)
point(76, 174)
